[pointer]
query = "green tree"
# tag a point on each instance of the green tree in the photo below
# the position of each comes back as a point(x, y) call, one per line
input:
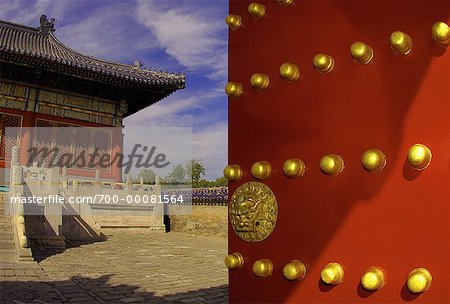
point(176, 176)
point(148, 176)
point(195, 170)
point(203, 183)
point(219, 182)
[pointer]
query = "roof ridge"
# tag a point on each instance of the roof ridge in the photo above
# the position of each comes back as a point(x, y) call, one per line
point(49, 47)
point(19, 26)
point(92, 57)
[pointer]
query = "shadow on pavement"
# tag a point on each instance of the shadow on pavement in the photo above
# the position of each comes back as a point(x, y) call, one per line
point(41, 253)
point(89, 290)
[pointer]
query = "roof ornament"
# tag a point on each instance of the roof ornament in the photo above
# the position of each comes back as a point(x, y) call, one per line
point(46, 27)
point(137, 64)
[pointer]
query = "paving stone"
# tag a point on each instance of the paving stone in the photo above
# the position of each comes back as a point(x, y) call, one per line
point(127, 268)
point(174, 297)
point(193, 300)
point(111, 297)
point(215, 295)
point(132, 300)
point(80, 299)
point(223, 299)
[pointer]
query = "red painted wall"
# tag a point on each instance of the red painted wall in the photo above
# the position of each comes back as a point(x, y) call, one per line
point(29, 119)
point(397, 219)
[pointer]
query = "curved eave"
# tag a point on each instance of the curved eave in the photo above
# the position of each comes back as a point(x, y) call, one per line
point(92, 73)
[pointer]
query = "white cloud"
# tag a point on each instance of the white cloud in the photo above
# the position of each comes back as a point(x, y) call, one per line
point(97, 35)
point(20, 11)
point(175, 143)
point(108, 31)
point(209, 138)
point(177, 110)
point(180, 145)
point(210, 145)
point(8, 8)
point(190, 33)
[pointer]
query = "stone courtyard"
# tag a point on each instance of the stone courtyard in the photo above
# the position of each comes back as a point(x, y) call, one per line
point(130, 267)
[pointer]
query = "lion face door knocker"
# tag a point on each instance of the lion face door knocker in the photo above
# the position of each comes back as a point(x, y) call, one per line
point(253, 211)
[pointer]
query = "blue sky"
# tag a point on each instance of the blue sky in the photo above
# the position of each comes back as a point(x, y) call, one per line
point(173, 35)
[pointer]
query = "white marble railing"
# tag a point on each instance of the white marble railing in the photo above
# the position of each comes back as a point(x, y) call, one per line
point(38, 181)
point(17, 210)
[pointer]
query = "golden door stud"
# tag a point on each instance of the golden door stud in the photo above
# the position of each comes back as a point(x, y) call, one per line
point(294, 270)
point(401, 42)
point(263, 268)
point(441, 33)
point(332, 164)
point(261, 170)
point(289, 71)
point(233, 89)
point(257, 10)
point(285, 2)
point(332, 274)
point(419, 156)
point(373, 279)
point(234, 261)
point(232, 172)
point(294, 167)
point(419, 280)
point(259, 81)
point(233, 21)
point(323, 63)
point(373, 160)
point(361, 52)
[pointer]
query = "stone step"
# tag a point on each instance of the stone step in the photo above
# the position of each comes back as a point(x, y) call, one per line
point(6, 235)
point(5, 220)
point(5, 227)
point(7, 256)
point(4, 238)
point(22, 266)
point(7, 245)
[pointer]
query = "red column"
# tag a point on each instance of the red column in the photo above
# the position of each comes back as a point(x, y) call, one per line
point(26, 135)
point(117, 145)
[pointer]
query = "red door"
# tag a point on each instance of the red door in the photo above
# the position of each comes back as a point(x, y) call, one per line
point(386, 226)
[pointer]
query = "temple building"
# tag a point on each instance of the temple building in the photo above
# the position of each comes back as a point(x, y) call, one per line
point(47, 85)
point(44, 83)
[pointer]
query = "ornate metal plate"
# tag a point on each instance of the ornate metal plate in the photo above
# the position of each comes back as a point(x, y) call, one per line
point(253, 211)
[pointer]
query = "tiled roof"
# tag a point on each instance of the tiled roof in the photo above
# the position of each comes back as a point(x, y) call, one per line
point(40, 46)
